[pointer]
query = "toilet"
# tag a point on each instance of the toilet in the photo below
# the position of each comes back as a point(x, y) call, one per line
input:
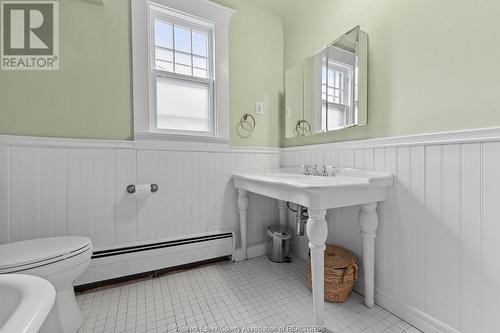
point(60, 260)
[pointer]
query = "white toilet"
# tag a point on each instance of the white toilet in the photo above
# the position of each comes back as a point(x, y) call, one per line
point(60, 260)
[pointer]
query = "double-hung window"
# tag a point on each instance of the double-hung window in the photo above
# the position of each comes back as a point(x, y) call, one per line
point(182, 65)
point(180, 74)
point(334, 102)
point(336, 94)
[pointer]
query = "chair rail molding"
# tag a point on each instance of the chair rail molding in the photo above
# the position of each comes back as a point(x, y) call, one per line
point(438, 138)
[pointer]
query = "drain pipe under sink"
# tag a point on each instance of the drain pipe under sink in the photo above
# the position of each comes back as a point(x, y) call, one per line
point(301, 217)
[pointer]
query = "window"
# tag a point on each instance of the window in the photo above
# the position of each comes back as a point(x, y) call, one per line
point(336, 95)
point(182, 73)
point(180, 70)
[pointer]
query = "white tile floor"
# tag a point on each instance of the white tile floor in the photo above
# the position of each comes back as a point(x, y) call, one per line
point(226, 297)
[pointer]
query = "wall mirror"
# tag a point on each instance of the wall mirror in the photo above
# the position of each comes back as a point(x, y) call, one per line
point(328, 91)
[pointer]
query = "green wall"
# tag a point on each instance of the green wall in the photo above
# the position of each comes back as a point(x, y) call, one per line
point(90, 96)
point(433, 65)
point(255, 72)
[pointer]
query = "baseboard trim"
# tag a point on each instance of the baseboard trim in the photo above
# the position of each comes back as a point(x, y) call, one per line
point(147, 275)
point(131, 263)
point(413, 316)
point(257, 250)
point(253, 251)
point(298, 251)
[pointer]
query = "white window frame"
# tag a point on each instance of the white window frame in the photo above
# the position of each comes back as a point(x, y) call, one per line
point(350, 113)
point(202, 12)
point(174, 17)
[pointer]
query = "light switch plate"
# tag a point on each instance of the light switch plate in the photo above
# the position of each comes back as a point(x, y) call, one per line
point(288, 112)
point(259, 108)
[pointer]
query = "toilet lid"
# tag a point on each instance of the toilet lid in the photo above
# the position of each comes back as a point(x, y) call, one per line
point(37, 250)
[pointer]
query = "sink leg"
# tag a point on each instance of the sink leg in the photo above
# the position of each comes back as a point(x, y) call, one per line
point(282, 211)
point(243, 209)
point(368, 221)
point(317, 231)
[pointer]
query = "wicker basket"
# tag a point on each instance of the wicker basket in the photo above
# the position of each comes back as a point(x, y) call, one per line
point(341, 271)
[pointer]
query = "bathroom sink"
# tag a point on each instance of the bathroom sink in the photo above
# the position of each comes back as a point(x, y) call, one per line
point(26, 300)
point(338, 187)
point(342, 187)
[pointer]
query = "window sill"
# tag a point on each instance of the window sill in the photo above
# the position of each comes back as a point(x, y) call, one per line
point(180, 137)
point(163, 141)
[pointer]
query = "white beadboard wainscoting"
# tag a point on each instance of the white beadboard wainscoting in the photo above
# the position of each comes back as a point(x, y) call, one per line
point(55, 187)
point(438, 242)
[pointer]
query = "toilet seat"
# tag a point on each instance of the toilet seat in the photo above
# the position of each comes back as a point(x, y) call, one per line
point(59, 260)
point(25, 255)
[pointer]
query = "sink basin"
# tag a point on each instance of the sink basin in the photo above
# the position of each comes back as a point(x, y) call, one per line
point(342, 187)
point(26, 300)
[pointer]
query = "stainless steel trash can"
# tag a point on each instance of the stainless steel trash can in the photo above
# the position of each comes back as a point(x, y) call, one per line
point(279, 243)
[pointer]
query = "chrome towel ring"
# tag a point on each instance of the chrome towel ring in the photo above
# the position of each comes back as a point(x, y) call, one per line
point(247, 122)
point(302, 127)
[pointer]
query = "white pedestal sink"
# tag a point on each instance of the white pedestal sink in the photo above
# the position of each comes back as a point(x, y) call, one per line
point(25, 302)
point(343, 187)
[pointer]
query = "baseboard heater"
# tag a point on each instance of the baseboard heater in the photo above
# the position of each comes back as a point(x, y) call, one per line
point(138, 258)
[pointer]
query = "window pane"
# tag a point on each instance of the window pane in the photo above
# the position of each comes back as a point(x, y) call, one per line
point(200, 41)
point(182, 39)
point(336, 117)
point(163, 34)
point(182, 59)
point(338, 79)
point(182, 105)
point(164, 59)
point(330, 78)
point(200, 73)
point(164, 66)
point(181, 69)
point(200, 63)
point(165, 55)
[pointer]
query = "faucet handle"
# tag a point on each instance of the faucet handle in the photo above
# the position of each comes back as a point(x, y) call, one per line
point(307, 169)
point(316, 170)
point(324, 172)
